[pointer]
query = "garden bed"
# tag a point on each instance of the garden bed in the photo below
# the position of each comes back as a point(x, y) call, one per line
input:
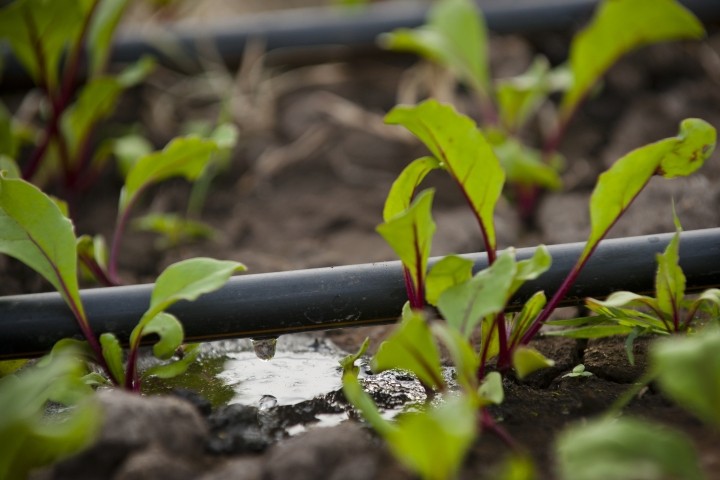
point(305, 189)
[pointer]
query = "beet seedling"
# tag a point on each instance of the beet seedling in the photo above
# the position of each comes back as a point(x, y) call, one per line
point(627, 313)
point(473, 305)
point(34, 230)
point(38, 440)
point(455, 36)
point(471, 302)
point(41, 33)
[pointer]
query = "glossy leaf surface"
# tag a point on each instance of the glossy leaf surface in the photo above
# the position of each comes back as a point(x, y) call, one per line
point(621, 183)
point(405, 185)
point(464, 306)
point(463, 151)
point(527, 360)
point(448, 272)
point(34, 231)
point(410, 236)
point(411, 347)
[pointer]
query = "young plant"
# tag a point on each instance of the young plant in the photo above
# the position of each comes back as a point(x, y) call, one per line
point(34, 230)
point(455, 36)
point(627, 313)
point(433, 441)
point(39, 439)
point(469, 302)
point(42, 33)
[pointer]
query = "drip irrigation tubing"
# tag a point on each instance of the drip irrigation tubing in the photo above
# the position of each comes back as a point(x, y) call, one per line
point(272, 304)
point(312, 35)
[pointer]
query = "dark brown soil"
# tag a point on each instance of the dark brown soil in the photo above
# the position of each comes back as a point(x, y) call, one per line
point(306, 189)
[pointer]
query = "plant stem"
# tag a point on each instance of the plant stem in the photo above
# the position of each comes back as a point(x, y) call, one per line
point(60, 102)
point(489, 423)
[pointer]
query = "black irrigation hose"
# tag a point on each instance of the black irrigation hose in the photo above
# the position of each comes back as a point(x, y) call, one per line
point(277, 303)
point(300, 32)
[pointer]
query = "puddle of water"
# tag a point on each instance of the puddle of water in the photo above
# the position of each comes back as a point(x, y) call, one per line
point(290, 377)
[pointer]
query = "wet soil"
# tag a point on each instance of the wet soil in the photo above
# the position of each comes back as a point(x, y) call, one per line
point(305, 189)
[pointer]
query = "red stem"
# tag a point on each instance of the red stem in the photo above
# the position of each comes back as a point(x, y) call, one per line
point(60, 102)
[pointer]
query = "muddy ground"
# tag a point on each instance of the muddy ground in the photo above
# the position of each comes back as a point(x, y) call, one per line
point(305, 188)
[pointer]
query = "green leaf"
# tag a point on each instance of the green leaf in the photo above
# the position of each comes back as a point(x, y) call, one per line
point(411, 347)
point(36, 439)
point(447, 272)
point(520, 97)
point(226, 136)
point(404, 187)
point(170, 331)
point(93, 248)
point(461, 351)
point(104, 22)
point(172, 228)
point(688, 371)
point(34, 231)
point(710, 300)
point(9, 167)
point(129, 149)
point(615, 30)
point(185, 280)
point(348, 362)
point(464, 306)
point(523, 320)
point(178, 367)
point(183, 156)
point(621, 183)
point(491, 390)
point(625, 448)
point(454, 36)
point(113, 354)
point(526, 360)
point(670, 280)
point(531, 268)
point(96, 101)
point(600, 330)
point(434, 442)
point(410, 236)
point(8, 367)
point(527, 166)
point(45, 25)
point(463, 151)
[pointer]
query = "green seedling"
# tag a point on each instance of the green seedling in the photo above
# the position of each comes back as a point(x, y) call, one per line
point(39, 439)
point(45, 35)
point(455, 36)
point(34, 230)
point(630, 314)
point(578, 372)
point(473, 305)
point(432, 442)
point(469, 302)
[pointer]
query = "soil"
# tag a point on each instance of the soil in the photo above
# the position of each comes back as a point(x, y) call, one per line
point(306, 187)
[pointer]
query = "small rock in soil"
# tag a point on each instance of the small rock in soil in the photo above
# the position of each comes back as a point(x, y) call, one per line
point(133, 426)
point(344, 452)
